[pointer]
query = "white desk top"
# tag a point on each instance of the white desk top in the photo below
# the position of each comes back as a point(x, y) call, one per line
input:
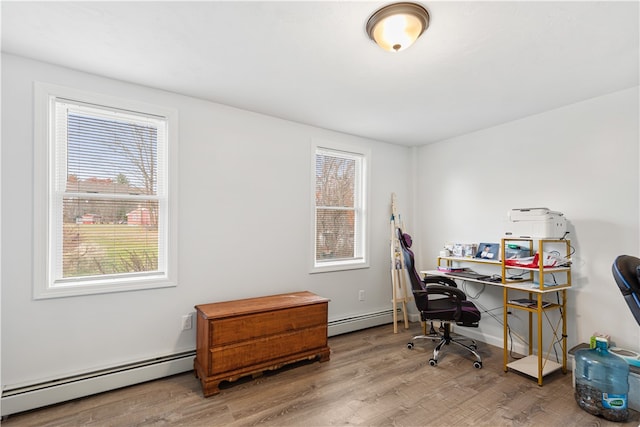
point(521, 285)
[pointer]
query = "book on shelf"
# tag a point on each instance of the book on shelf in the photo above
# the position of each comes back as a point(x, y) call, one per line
point(449, 269)
point(536, 285)
point(530, 303)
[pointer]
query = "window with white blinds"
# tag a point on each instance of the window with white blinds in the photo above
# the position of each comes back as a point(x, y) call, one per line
point(109, 221)
point(339, 193)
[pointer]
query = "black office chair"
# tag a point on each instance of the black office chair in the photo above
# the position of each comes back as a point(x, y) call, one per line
point(626, 272)
point(439, 299)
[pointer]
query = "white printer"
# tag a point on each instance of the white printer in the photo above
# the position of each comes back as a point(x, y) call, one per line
point(535, 223)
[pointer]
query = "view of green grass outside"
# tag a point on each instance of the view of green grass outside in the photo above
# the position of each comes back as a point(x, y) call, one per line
point(97, 249)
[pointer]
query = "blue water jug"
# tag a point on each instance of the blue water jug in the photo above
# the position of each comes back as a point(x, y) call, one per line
point(602, 382)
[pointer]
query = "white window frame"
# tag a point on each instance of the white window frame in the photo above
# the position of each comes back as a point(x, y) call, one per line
point(361, 204)
point(47, 223)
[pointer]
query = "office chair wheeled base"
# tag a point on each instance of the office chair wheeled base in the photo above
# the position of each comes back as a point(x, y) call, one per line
point(446, 339)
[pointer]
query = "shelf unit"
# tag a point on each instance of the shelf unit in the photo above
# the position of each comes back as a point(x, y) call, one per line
point(540, 364)
point(535, 365)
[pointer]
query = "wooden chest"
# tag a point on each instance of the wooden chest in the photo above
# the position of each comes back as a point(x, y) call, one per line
point(249, 336)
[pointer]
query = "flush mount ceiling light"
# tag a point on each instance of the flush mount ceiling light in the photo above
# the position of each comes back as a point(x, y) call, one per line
point(395, 27)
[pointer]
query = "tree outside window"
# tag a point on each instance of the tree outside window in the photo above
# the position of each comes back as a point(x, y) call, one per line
point(339, 207)
point(109, 204)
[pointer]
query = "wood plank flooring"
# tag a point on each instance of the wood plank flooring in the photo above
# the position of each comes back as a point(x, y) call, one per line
point(372, 379)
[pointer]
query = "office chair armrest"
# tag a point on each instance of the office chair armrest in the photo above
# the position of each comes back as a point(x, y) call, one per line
point(439, 280)
point(451, 292)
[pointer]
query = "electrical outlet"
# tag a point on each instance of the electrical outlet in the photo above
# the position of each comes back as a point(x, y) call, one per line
point(187, 322)
point(361, 295)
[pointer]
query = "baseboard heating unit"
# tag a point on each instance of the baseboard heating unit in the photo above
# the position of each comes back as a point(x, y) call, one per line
point(359, 321)
point(26, 397)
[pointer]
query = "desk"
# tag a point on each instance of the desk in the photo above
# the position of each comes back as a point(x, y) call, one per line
point(539, 365)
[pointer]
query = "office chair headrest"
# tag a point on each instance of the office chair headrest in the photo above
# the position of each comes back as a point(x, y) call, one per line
point(407, 240)
point(404, 238)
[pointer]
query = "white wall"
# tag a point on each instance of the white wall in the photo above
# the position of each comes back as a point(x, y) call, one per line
point(581, 160)
point(244, 231)
point(245, 215)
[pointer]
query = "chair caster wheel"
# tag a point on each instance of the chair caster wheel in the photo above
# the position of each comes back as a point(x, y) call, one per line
point(410, 345)
point(433, 362)
point(477, 365)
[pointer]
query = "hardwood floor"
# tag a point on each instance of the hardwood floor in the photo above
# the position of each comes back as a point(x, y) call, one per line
point(372, 379)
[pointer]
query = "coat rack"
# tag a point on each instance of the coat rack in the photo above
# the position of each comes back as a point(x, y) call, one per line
point(398, 269)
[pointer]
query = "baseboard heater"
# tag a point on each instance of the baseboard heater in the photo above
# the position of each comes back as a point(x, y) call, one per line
point(26, 397)
point(360, 321)
point(23, 398)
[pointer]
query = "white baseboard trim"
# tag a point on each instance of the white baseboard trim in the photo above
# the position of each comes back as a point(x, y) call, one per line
point(24, 398)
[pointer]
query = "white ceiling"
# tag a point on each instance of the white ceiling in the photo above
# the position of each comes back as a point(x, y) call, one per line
point(478, 65)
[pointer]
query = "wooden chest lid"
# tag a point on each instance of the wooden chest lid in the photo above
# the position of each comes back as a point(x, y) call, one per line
point(259, 304)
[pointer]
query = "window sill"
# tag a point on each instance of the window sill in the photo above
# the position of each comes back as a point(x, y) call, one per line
point(329, 267)
point(73, 289)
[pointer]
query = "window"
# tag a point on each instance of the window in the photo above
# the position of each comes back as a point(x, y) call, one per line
point(339, 208)
point(108, 220)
